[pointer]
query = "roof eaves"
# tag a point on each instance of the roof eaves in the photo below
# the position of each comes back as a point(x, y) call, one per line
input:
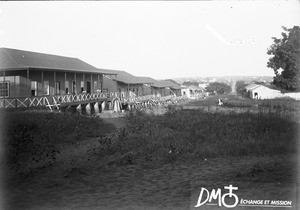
point(177, 88)
point(5, 51)
point(128, 82)
point(64, 69)
point(107, 72)
point(254, 87)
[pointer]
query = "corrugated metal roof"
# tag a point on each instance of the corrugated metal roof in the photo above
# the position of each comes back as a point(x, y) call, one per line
point(147, 80)
point(107, 71)
point(251, 86)
point(265, 88)
point(157, 83)
point(124, 77)
point(13, 59)
point(193, 87)
point(169, 84)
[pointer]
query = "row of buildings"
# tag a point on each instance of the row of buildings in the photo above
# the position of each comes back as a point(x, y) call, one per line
point(25, 75)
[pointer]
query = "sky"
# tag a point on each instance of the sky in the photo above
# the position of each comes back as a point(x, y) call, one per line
point(158, 39)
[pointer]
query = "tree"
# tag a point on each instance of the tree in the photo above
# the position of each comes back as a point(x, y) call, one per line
point(285, 59)
point(258, 82)
point(189, 83)
point(240, 86)
point(218, 87)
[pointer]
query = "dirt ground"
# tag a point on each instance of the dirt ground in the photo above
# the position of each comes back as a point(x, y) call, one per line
point(78, 181)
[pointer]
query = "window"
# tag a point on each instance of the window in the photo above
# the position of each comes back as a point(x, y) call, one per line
point(74, 87)
point(4, 89)
point(100, 86)
point(95, 86)
point(88, 87)
point(33, 88)
point(57, 87)
point(46, 88)
point(82, 86)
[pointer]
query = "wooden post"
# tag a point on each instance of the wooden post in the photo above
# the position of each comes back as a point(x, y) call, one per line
point(28, 83)
point(42, 82)
point(96, 108)
point(3, 84)
point(75, 92)
point(92, 85)
point(127, 91)
point(55, 83)
point(83, 78)
point(101, 83)
point(98, 83)
point(65, 83)
point(88, 109)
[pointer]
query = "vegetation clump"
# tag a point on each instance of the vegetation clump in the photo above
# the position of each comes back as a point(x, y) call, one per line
point(32, 139)
point(187, 135)
point(285, 54)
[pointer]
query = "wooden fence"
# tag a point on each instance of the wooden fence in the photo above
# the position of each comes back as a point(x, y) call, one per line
point(51, 101)
point(56, 101)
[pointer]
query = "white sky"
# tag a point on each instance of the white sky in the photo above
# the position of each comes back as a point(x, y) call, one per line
point(160, 39)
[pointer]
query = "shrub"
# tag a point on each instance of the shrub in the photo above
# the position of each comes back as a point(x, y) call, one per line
point(28, 148)
point(31, 139)
point(185, 135)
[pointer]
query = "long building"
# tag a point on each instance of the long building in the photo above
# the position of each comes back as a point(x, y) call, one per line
point(38, 79)
point(27, 76)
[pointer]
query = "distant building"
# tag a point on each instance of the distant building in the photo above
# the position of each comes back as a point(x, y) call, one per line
point(125, 84)
point(249, 89)
point(192, 91)
point(128, 85)
point(166, 88)
point(203, 85)
point(262, 92)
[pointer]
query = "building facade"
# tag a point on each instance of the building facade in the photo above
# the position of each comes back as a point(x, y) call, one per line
point(25, 75)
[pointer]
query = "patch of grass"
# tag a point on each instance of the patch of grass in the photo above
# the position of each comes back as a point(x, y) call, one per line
point(185, 135)
point(31, 139)
point(282, 104)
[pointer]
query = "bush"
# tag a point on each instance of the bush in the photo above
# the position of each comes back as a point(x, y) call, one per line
point(27, 147)
point(31, 139)
point(185, 135)
point(218, 87)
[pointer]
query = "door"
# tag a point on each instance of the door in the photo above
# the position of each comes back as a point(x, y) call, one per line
point(88, 87)
point(57, 87)
point(73, 87)
point(33, 88)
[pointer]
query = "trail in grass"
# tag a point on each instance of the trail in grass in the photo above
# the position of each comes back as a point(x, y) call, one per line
point(78, 181)
point(169, 187)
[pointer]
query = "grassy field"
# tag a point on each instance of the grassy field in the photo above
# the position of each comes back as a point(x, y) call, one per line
point(238, 101)
point(32, 139)
point(152, 161)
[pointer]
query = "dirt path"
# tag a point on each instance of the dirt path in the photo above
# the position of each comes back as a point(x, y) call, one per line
point(170, 187)
point(118, 122)
point(80, 182)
